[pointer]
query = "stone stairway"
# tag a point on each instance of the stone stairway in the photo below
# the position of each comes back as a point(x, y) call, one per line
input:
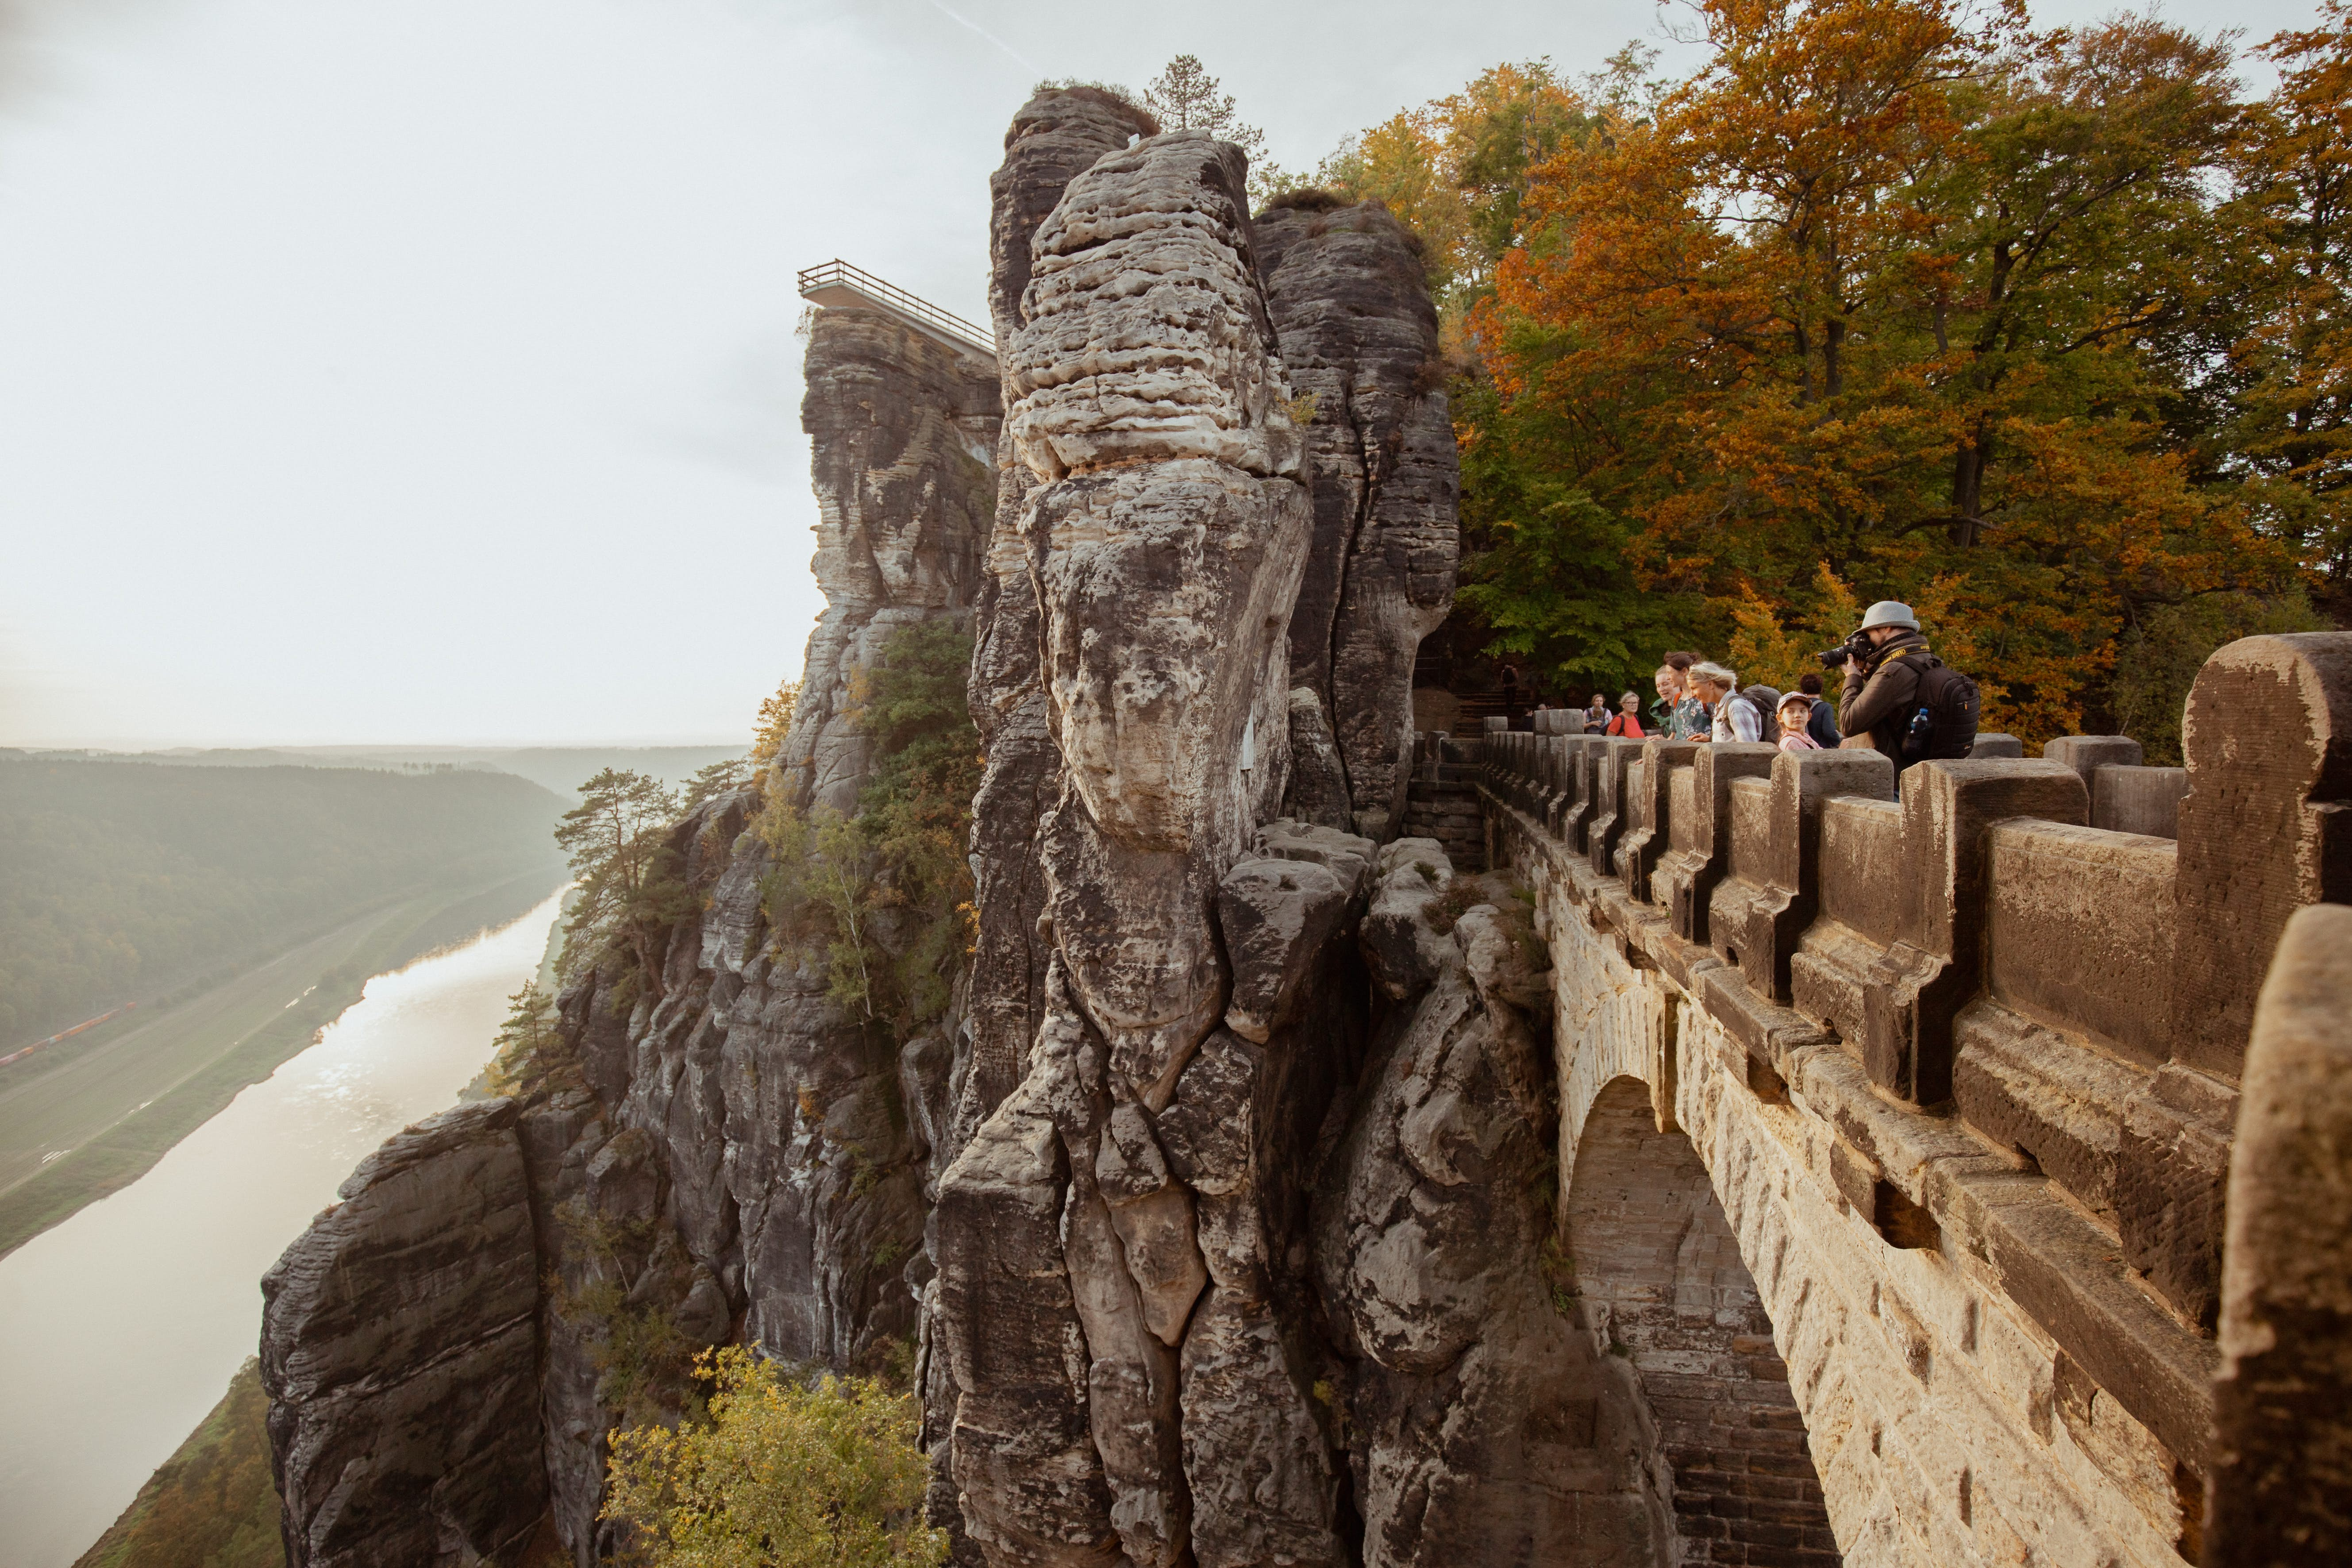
point(1443, 801)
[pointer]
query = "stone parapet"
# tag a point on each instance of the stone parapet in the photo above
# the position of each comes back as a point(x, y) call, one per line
point(2009, 1037)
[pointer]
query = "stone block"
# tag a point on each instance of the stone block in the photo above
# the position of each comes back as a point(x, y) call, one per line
point(1649, 833)
point(2265, 828)
point(2081, 932)
point(2138, 800)
point(2050, 1099)
point(2282, 1404)
point(1576, 812)
point(1687, 876)
point(1765, 916)
point(1949, 809)
point(1610, 763)
point(2086, 754)
point(2172, 1162)
point(1996, 745)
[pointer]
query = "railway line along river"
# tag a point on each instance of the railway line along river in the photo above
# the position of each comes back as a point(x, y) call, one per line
point(120, 1328)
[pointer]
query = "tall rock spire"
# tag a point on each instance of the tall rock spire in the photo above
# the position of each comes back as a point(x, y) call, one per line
point(1350, 298)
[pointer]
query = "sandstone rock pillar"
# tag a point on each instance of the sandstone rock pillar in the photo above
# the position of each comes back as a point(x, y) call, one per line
point(1133, 682)
point(1350, 299)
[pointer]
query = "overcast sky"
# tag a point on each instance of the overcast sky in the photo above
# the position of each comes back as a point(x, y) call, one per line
point(424, 370)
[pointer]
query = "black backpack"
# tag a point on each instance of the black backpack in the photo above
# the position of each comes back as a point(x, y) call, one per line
point(1767, 703)
point(1947, 699)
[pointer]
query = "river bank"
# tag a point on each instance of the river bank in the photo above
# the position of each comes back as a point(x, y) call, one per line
point(97, 1117)
point(119, 1327)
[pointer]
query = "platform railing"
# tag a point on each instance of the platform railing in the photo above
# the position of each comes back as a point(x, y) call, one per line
point(838, 274)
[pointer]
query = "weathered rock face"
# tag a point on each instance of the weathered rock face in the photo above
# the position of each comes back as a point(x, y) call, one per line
point(1165, 543)
point(903, 429)
point(1171, 978)
point(1162, 524)
point(1057, 136)
point(400, 1350)
point(738, 1158)
point(1483, 1426)
point(1359, 334)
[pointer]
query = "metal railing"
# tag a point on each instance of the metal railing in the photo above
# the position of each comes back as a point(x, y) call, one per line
point(856, 280)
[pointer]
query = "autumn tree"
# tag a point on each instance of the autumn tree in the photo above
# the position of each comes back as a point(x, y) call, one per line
point(1895, 287)
point(783, 1474)
point(1456, 170)
point(2292, 161)
point(775, 722)
point(624, 873)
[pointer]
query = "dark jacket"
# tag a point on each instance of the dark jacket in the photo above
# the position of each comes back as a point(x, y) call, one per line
point(1880, 704)
point(1823, 725)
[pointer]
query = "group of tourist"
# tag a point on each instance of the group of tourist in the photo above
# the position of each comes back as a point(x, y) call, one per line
point(1699, 699)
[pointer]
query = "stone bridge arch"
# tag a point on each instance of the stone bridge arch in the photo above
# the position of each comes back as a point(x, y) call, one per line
point(1662, 1289)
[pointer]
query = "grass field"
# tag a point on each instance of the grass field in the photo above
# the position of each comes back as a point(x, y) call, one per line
point(97, 1115)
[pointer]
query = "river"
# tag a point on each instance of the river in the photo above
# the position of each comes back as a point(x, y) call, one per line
point(119, 1329)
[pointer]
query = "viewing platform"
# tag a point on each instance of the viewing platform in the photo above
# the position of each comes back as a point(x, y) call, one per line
point(838, 284)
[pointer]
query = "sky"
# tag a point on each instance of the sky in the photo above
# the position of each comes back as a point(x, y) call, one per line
point(425, 371)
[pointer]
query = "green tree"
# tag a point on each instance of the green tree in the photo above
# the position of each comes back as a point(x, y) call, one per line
point(1185, 97)
point(529, 1050)
point(624, 869)
point(782, 1475)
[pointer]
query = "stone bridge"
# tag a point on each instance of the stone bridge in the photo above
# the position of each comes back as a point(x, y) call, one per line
point(1895, 1126)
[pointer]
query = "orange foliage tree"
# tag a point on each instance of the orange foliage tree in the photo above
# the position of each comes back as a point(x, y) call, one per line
point(1905, 298)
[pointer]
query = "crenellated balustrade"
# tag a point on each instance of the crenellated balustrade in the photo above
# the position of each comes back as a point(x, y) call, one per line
point(2038, 968)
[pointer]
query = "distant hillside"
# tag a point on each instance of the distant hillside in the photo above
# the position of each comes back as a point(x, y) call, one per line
point(118, 880)
point(559, 768)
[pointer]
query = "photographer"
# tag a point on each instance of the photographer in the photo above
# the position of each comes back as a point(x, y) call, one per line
point(1884, 663)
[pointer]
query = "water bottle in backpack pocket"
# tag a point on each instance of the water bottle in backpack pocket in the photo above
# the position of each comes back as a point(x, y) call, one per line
point(1944, 724)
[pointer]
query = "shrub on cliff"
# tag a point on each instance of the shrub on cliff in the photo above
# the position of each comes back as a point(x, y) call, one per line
point(887, 893)
point(782, 1475)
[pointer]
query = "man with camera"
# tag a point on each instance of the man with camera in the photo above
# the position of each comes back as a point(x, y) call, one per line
point(1900, 694)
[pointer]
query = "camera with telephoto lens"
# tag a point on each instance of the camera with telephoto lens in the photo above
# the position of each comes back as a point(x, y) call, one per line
point(1856, 647)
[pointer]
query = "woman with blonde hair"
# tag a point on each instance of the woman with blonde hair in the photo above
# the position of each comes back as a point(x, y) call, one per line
point(1717, 685)
point(1628, 721)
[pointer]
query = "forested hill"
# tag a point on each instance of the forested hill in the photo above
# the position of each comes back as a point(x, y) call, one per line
point(121, 880)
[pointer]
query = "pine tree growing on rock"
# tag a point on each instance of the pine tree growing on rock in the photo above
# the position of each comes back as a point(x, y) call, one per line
point(627, 873)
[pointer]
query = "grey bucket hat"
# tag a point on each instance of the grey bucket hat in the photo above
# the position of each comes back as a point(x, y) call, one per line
point(1887, 613)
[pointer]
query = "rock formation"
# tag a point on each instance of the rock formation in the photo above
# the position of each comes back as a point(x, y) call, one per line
point(399, 1349)
point(743, 1158)
point(1350, 299)
point(1161, 523)
point(1272, 1189)
point(903, 431)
